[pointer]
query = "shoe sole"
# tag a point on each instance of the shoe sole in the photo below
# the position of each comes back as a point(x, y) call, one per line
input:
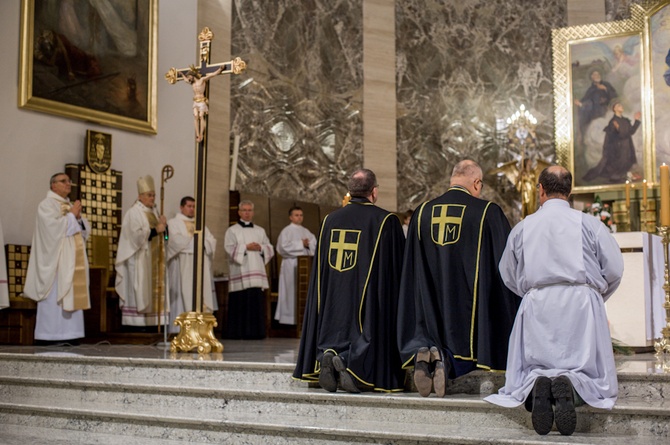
point(327, 376)
point(440, 373)
point(542, 414)
point(566, 417)
point(346, 379)
point(422, 375)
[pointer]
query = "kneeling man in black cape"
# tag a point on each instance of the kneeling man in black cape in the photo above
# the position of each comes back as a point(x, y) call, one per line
point(349, 330)
point(455, 313)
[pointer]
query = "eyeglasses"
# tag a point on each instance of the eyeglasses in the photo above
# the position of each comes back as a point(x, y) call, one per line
point(481, 183)
point(537, 186)
point(64, 181)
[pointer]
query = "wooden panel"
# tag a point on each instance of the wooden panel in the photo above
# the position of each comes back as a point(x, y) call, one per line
point(17, 322)
point(303, 272)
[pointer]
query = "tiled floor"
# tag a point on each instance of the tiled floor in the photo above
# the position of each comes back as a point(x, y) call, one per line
point(275, 350)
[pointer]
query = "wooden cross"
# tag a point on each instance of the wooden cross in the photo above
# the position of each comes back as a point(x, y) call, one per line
point(201, 94)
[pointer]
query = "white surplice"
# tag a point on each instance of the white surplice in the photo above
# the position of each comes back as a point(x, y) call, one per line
point(247, 267)
point(290, 246)
point(180, 266)
point(566, 264)
point(134, 269)
point(51, 268)
point(4, 285)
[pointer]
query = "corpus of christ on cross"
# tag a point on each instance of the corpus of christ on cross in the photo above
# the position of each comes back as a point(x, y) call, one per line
point(195, 327)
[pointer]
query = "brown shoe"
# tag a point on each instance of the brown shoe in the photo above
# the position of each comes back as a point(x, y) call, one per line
point(328, 376)
point(347, 381)
point(423, 378)
point(441, 373)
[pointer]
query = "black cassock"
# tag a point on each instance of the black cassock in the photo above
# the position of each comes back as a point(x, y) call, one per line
point(452, 295)
point(618, 151)
point(353, 296)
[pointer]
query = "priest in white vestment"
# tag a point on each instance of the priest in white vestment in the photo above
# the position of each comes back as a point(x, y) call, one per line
point(180, 249)
point(249, 250)
point(293, 241)
point(140, 271)
point(4, 285)
point(565, 264)
point(57, 276)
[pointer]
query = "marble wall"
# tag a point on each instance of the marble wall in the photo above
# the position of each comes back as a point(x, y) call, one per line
point(297, 108)
point(461, 68)
point(619, 9)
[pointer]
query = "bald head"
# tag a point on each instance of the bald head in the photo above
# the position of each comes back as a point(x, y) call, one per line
point(468, 174)
point(555, 182)
point(363, 184)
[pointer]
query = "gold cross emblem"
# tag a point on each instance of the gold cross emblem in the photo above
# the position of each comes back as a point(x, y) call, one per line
point(343, 249)
point(446, 220)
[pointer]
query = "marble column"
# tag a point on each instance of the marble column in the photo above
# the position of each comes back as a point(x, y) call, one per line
point(582, 12)
point(379, 100)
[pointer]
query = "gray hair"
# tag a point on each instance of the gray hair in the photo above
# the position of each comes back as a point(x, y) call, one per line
point(246, 202)
point(362, 182)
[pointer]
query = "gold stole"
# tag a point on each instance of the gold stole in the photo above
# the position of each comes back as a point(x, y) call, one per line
point(157, 269)
point(190, 227)
point(79, 288)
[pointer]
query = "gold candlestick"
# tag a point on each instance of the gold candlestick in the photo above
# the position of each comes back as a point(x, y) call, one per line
point(662, 345)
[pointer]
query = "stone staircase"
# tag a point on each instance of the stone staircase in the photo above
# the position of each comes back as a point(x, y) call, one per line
point(66, 399)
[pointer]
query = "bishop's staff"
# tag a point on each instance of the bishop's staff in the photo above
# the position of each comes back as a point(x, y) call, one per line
point(166, 173)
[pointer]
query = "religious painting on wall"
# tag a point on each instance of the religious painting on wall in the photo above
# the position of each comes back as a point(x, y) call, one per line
point(94, 61)
point(640, 68)
point(98, 151)
point(599, 73)
point(606, 78)
point(659, 79)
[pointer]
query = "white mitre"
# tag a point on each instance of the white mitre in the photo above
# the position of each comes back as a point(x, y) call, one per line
point(145, 184)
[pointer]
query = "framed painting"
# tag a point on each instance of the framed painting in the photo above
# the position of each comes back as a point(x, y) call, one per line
point(599, 103)
point(658, 26)
point(94, 61)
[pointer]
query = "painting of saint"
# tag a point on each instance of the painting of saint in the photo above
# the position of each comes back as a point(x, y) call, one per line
point(606, 72)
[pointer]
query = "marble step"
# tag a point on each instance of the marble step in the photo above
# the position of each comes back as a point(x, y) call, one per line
point(186, 370)
point(37, 425)
point(194, 401)
point(630, 416)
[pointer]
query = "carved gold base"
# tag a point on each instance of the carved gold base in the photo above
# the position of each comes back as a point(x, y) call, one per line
point(662, 345)
point(196, 332)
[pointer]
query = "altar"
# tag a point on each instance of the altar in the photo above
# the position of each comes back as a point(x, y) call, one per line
point(635, 311)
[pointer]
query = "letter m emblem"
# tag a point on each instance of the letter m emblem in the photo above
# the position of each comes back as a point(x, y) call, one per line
point(343, 249)
point(445, 223)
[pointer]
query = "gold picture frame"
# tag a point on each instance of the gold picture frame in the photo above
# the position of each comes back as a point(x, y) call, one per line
point(657, 35)
point(616, 51)
point(89, 63)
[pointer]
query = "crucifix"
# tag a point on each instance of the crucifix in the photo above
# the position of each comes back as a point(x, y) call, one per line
point(195, 327)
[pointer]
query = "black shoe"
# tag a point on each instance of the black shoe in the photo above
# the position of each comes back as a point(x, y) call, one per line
point(543, 414)
point(441, 373)
point(566, 417)
point(423, 378)
point(347, 381)
point(328, 376)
